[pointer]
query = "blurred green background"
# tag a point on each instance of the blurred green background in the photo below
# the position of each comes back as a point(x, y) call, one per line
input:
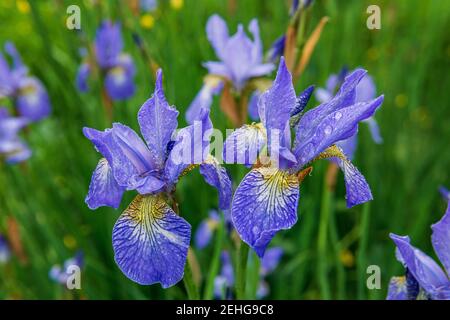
point(409, 59)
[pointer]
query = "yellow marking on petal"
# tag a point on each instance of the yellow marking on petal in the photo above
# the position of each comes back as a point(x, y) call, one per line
point(23, 6)
point(176, 4)
point(331, 152)
point(69, 241)
point(277, 182)
point(212, 80)
point(147, 21)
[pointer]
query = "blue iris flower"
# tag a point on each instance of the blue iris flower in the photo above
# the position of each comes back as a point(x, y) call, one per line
point(150, 240)
point(60, 274)
point(424, 278)
point(5, 252)
point(266, 200)
point(12, 148)
point(117, 67)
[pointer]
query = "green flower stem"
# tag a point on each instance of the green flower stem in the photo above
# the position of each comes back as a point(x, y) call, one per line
point(340, 271)
point(362, 249)
point(215, 263)
point(189, 282)
point(241, 270)
point(253, 276)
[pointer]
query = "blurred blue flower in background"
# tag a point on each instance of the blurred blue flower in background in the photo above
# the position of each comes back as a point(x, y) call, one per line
point(148, 5)
point(12, 148)
point(206, 228)
point(30, 98)
point(445, 193)
point(365, 91)
point(424, 278)
point(266, 200)
point(60, 274)
point(117, 68)
point(5, 252)
point(149, 236)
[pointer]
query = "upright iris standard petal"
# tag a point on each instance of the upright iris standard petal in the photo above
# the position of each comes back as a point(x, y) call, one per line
point(82, 77)
point(191, 147)
point(103, 189)
point(217, 33)
point(424, 269)
point(357, 188)
point(151, 242)
point(338, 125)
point(441, 239)
point(158, 121)
point(253, 105)
point(397, 289)
point(216, 175)
point(244, 145)
point(119, 81)
point(108, 44)
point(204, 98)
point(32, 100)
point(264, 203)
point(302, 101)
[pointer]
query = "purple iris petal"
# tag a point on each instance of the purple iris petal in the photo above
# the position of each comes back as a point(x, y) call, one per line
point(424, 269)
point(357, 188)
point(263, 289)
point(5, 252)
point(203, 99)
point(302, 100)
point(445, 193)
point(191, 147)
point(277, 48)
point(216, 175)
point(241, 57)
point(441, 239)
point(103, 189)
point(151, 242)
point(158, 121)
point(366, 90)
point(119, 81)
point(243, 145)
point(82, 77)
point(253, 105)
point(32, 100)
point(397, 289)
point(11, 146)
point(108, 44)
point(374, 130)
point(265, 202)
point(205, 229)
point(348, 146)
point(271, 260)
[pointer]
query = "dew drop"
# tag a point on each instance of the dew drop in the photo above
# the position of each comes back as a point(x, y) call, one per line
point(337, 115)
point(328, 130)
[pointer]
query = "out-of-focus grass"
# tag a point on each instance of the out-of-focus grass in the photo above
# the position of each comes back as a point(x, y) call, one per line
point(409, 59)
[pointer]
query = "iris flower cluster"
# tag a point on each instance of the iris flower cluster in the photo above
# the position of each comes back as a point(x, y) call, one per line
point(116, 68)
point(424, 279)
point(150, 239)
point(266, 200)
point(29, 103)
point(60, 274)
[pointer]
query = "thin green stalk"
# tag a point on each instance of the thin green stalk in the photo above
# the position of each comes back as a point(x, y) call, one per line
point(340, 271)
point(362, 249)
point(253, 276)
point(322, 263)
point(241, 270)
point(215, 263)
point(189, 283)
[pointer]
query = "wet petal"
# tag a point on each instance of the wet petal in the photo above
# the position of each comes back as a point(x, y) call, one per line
point(100, 141)
point(441, 239)
point(424, 269)
point(271, 260)
point(108, 44)
point(397, 289)
point(158, 121)
point(336, 126)
point(302, 101)
point(243, 145)
point(357, 188)
point(82, 77)
point(264, 203)
point(33, 101)
point(217, 33)
point(216, 175)
point(103, 189)
point(151, 242)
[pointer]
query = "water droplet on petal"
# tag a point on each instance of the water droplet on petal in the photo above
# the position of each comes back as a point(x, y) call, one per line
point(337, 115)
point(328, 130)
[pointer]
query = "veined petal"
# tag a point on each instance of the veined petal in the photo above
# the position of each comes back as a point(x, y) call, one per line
point(216, 175)
point(264, 203)
point(336, 126)
point(302, 101)
point(357, 188)
point(100, 141)
point(243, 145)
point(397, 289)
point(217, 33)
point(158, 121)
point(441, 239)
point(424, 269)
point(103, 189)
point(151, 242)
